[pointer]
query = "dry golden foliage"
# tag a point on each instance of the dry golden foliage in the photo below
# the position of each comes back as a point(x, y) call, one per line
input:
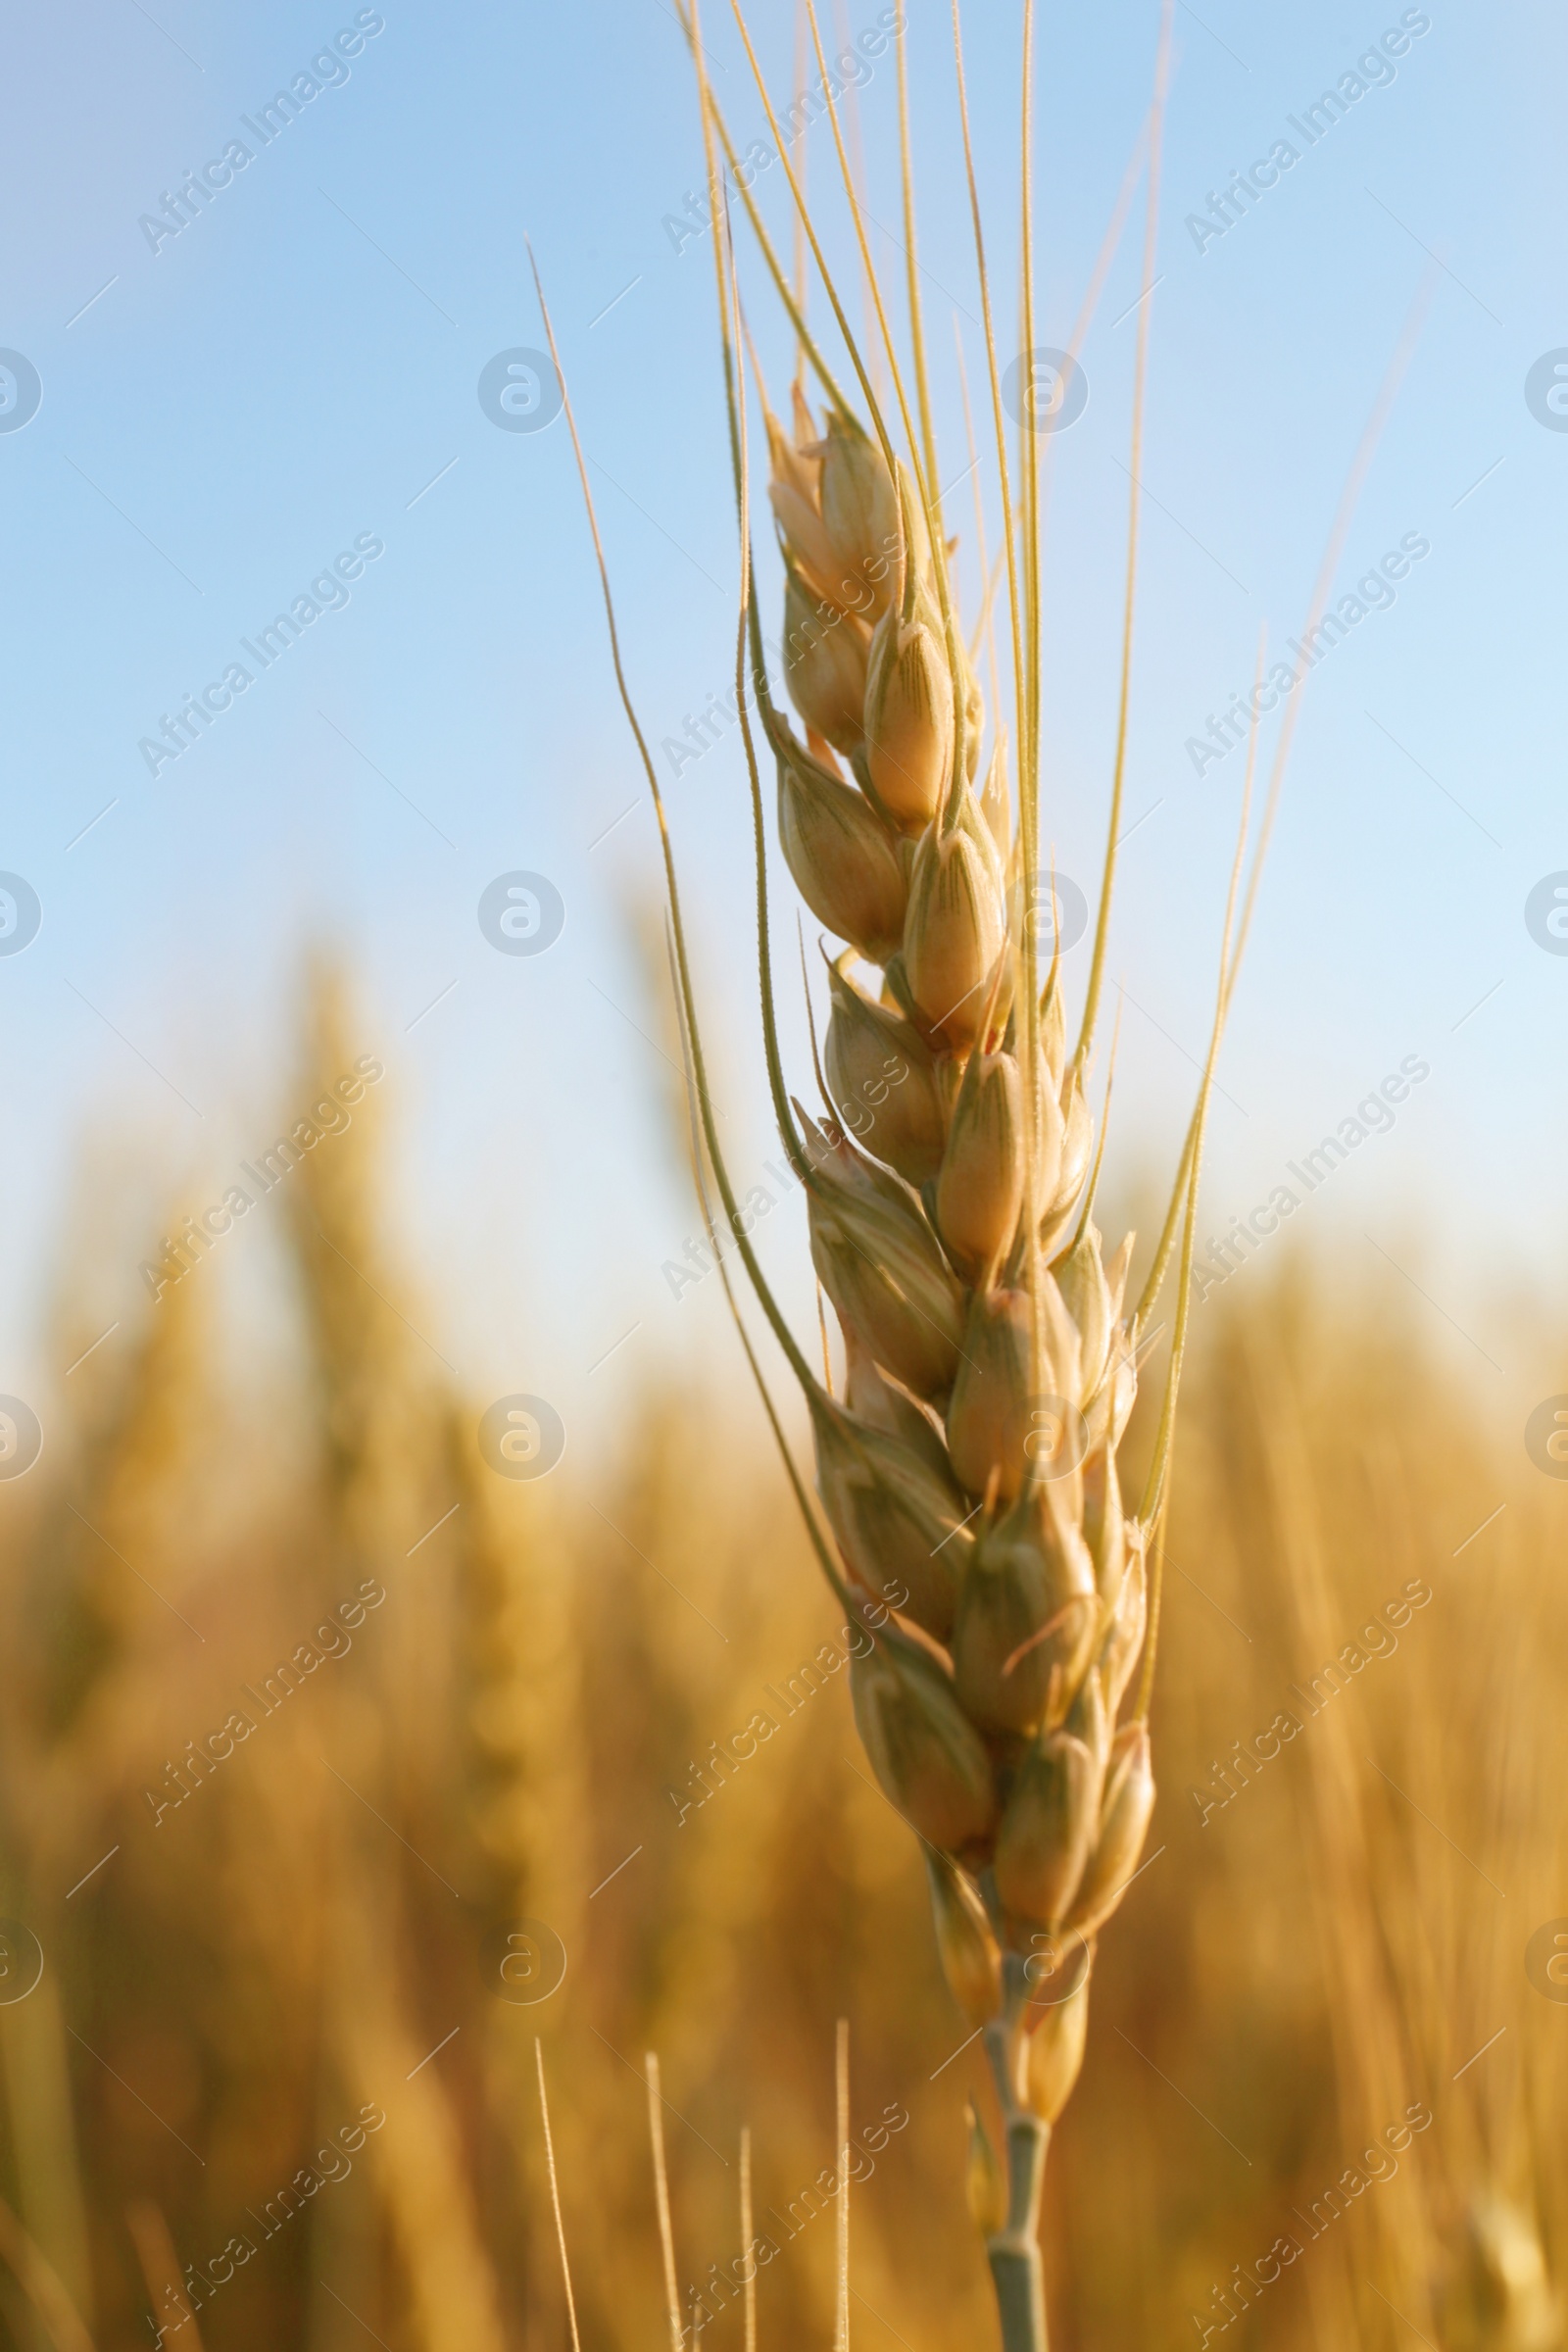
point(1305, 1957)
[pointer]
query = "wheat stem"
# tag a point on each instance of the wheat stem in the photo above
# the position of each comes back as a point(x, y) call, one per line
point(841, 2070)
point(555, 2197)
point(666, 2234)
point(748, 2266)
point(1014, 2250)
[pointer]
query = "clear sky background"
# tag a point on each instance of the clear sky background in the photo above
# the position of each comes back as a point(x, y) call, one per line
point(299, 366)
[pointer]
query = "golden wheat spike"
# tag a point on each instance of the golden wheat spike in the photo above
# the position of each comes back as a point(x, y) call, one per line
point(991, 1355)
point(988, 1366)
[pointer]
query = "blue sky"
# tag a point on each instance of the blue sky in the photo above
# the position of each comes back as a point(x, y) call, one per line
point(298, 370)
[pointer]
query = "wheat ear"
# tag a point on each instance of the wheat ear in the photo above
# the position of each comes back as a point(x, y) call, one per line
point(967, 1474)
point(969, 1471)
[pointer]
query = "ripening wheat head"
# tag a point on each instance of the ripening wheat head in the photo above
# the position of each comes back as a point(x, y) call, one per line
point(969, 1469)
point(966, 1465)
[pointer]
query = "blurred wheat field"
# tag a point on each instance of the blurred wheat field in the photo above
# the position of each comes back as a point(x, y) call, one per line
point(271, 2085)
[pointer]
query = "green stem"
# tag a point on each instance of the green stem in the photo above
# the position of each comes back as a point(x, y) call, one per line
point(1014, 2250)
